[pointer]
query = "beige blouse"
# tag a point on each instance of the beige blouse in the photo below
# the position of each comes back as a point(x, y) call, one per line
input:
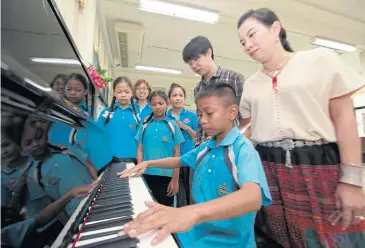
point(300, 108)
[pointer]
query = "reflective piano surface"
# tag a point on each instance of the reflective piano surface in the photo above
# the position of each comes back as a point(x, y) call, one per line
point(48, 196)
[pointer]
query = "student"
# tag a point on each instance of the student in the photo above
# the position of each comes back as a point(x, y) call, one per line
point(142, 91)
point(158, 138)
point(302, 119)
point(121, 121)
point(229, 184)
point(52, 173)
point(58, 83)
point(76, 91)
point(198, 53)
point(188, 123)
point(23, 234)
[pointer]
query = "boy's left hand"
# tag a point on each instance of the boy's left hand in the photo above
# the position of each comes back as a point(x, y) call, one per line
point(173, 187)
point(165, 219)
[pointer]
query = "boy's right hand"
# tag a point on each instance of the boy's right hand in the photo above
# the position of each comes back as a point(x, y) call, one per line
point(83, 191)
point(136, 171)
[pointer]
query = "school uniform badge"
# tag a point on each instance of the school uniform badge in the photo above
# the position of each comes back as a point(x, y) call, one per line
point(222, 190)
point(165, 138)
point(11, 181)
point(131, 126)
point(187, 120)
point(52, 180)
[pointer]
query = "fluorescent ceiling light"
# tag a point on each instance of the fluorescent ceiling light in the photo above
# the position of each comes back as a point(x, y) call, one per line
point(56, 61)
point(37, 85)
point(157, 69)
point(333, 45)
point(185, 12)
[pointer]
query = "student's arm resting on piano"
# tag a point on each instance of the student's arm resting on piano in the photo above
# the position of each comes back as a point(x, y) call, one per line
point(56, 207)
point(140, 168)
point(253, 193)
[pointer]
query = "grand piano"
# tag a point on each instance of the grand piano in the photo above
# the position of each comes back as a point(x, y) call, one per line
point(34, 29)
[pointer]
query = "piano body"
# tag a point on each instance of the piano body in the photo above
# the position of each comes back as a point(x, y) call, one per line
point(35, 29)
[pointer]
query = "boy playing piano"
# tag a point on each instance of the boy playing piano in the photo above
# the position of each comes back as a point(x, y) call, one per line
point(229, 184)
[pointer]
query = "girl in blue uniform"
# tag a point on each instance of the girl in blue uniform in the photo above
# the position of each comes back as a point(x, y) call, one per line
point(229, 184)
point(58, 83)
point(159, 138)
point(188, 123)
point(76, 91)
point(121, 120)
point(142, 91)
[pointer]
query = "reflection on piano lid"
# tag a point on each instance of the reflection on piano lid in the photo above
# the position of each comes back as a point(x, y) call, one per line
point(101, 216)
point(23, 93)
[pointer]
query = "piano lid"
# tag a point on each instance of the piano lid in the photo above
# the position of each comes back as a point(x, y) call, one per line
point(34, 39)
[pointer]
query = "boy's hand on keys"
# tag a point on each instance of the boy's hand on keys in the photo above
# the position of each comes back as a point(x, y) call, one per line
point(165, 219)
point(136, 171)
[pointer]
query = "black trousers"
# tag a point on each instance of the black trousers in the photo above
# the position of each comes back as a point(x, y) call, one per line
point(183, 196)
point(158, 186)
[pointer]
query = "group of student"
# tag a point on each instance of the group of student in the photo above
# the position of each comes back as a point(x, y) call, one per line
point(300, 184)
point(304, 176)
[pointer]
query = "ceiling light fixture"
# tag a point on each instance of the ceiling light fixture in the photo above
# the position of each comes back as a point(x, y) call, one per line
point(37, 85)
point(157, 69)
point(180, 11)
point(339, 46)
point(56, 61)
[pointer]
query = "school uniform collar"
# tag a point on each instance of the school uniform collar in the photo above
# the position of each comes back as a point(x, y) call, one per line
point(183, 112)
point(228, 140)
point(83, 106)
point(116, 106)
point(147, 105)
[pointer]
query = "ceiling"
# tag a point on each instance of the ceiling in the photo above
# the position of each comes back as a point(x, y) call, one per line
point(158, 40)
point(30, 29)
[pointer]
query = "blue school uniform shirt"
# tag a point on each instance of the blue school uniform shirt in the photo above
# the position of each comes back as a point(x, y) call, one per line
point(159, 140)
point(9, 179)
point(145, 112)
point(59, 175)
point(16, 234)
point(191, 120)
point(122, 129)
point(219, 172)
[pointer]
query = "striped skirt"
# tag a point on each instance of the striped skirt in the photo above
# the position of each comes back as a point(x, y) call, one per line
point(304, 199)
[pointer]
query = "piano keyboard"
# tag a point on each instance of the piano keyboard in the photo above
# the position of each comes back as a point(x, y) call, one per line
point(115, 202)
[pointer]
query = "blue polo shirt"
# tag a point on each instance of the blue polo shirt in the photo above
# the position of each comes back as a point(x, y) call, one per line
point(159, 140)
point(59, 175)
point(9, 179)
point(122, 129)
point(16, 234)
point(220, 170)
point(143, 112)
point(190, 119)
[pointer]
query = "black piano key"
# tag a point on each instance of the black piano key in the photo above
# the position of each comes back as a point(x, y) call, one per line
point(122, 241)
point(111, 201)
point(111, 195)
point(109, 214)
point(117, 188)
point(111, 207)
point(106, 224)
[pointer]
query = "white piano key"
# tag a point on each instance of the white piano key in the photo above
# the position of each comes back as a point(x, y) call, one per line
point(110, 229)
point(91, 241)
point(100, 221)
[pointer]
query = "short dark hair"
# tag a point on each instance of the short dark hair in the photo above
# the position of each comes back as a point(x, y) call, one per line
point(197, 46)
point(225, 92)
point(79, 77)
point(61, 76)
point(266, 17)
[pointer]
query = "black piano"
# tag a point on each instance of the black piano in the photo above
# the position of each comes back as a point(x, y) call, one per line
point(33, 33)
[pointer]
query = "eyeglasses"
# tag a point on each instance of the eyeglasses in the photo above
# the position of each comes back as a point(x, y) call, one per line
point(141, 89)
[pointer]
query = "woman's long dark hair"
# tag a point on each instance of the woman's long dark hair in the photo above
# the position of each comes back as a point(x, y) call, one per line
point(267, 18)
